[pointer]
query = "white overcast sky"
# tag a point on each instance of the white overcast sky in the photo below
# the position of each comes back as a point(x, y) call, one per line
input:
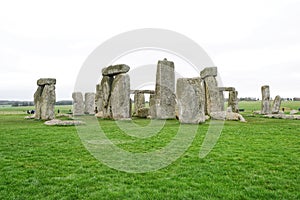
point(253, 43)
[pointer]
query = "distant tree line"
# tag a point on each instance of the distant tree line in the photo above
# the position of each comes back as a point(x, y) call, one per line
point(30, 103)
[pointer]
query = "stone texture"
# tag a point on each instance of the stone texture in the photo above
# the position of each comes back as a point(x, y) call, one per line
point(283, 116)
point(230, 116)
point(233, 101)
point(293, 112)
point(98, 99)
point(212, 96)
point(165, 90)
point(142, 112)
point(139, 102)
point(58, 122)
point(276, 105)
point(89, 103)
point(209, 71)
point(190, 100)
point(78, 104)
point(44, 101)
point(265, 100)
point(113, 70)
point(120, 97)
point(152, 106)
point(106, 86)
point(46, 81)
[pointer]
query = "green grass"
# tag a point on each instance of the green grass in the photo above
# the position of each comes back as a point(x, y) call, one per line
point(259, 159)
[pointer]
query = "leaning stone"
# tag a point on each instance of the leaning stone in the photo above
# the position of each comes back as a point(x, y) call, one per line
point(265, 101)
point(78, 105)
point(165, 90)
point(209, 71)
point(46, 81)
point(120, 97)
point(190, 100)
point(89, 103)
point(276, 105)
point(113, 70)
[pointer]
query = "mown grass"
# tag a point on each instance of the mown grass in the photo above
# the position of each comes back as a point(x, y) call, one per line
point(254, 160)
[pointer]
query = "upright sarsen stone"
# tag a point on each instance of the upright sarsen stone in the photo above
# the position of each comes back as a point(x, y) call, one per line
point(212, 95)
point(190, 100)
point(265, 101)
point(233, 101)
point(276, 105)
point(165, 90)
point(139, 102)
point(89, 103)
point(120, 97)
point(78, 104)
point(106, 86)
point(44, 99)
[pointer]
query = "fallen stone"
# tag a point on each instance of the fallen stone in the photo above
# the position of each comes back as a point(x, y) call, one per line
point(59, 122)
point(142, 112)
point(293, 112)
point(230, 116)
point(113, 70)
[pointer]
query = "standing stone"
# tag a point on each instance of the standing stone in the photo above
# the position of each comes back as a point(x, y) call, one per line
point(212, 95)
point(152, 106)
point(233, 101)
point(265, 100)
point(190, 100)
point(106, 85)
point(139, 101)
point(44, 99)
point(165, 90)
point(120, 97)
point(89, 103)
point(78, 105)
point(276, 105)
point(98, 99)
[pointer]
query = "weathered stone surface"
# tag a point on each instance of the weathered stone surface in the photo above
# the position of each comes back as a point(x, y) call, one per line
point(58, 122)
point(165, 90)
point(292, 112)
point(212, 96)
point(152, 106)
point(228, 89)
point(233, 101)
point(106, 85)
point(282, 116)
point(276, 105)
point(265, 100)
point(209, 71)
point(142, 91)
point(190, 100)
point(113, 70)
point(139, 102)
point(89, 103)
point(98, 99)
point(78, 105)
point(142, 112)
point(44, 100)
point(46, 81)
point(120, 97)
point(230, 116)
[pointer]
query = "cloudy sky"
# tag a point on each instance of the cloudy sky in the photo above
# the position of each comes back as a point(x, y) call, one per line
point(252, 43)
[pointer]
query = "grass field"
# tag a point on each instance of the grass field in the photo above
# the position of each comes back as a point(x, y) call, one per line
point(259, 159)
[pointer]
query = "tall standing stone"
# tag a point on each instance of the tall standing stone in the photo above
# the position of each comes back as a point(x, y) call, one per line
point(265, 100)
point(213, 96)
point(98, 98)
point(190, 100)
point(165, 90)
point(152, 106)
point(89, 103)
point(44, 99)
point(233, 101)
point(106, 85)
point(120, 97)
point(78, 104)
point(139, 101)
point(276, 105)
